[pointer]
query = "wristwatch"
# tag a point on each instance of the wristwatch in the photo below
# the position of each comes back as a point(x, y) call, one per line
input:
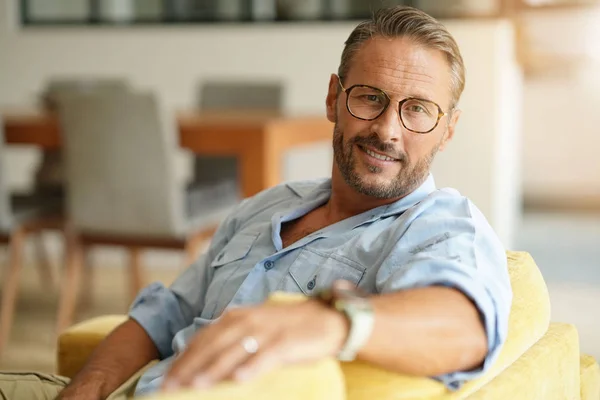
point(358, 310)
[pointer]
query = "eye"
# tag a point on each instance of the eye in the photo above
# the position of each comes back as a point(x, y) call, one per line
point(371, 98)
point(417, 108)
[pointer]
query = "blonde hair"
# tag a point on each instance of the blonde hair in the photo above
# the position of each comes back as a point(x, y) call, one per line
point(402, 21)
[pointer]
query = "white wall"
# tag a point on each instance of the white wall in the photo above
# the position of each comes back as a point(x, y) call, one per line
point(483, 161)
point(561, 122)
point(172, 60)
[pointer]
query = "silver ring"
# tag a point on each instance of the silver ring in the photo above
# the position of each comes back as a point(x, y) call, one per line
point(250, 344)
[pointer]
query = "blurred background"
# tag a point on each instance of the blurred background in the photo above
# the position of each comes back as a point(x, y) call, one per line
point(203, 86)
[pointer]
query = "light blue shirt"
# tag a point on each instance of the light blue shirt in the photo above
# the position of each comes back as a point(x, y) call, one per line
point(430, 237)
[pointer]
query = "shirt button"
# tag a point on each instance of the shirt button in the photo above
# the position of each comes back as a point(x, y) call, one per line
point(269, 264)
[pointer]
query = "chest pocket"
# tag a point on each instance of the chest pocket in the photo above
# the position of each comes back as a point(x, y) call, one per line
point(313, 271)
point(229, 267)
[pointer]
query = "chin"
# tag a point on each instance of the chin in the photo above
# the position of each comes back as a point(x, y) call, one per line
point(378, 188)
point(377, 179)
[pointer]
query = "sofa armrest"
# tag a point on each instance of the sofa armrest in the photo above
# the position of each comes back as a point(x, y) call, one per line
point(76, 344)
point(317, 380)
point(590, 378)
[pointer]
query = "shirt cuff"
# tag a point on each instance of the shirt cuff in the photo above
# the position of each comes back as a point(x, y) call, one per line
point(157, 310)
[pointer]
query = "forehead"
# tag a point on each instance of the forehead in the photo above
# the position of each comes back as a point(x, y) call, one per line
point(401, 67)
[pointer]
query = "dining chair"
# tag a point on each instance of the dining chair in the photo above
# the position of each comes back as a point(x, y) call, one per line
point(120, 151)
point(222, 96)
point(22, 215)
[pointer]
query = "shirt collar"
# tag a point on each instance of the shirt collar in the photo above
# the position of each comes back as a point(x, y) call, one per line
point(416, 196)
point(307, 190)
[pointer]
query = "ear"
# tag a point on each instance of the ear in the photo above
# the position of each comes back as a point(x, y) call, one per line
point(331, 99)
point(450, 131)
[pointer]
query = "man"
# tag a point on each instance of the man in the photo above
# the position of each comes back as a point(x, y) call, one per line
point(439, 292)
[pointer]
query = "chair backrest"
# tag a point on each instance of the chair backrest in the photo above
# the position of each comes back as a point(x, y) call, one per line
point(57, 87)
point(120, 155)
point(241, 95)
point(5, 211)
point(49, 176)
point(233, 95)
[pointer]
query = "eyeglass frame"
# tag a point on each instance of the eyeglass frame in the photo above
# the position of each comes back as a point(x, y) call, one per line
point(347, 91)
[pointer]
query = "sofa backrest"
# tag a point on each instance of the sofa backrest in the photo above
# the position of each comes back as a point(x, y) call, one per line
point(529, 321)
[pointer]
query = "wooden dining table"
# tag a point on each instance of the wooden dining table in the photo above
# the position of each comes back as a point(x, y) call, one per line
point(258, 140)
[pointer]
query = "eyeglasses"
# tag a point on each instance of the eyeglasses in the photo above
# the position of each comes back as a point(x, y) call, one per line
point(368, 103)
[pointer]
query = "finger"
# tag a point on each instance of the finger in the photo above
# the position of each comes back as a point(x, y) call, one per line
point(206, 346)
point(225, 365)
point(265, 360)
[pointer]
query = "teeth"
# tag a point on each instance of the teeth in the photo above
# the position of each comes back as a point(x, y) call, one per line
point(379, 156)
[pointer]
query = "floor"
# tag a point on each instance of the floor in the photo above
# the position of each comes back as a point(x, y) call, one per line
point(32, 343)
point(566, 248)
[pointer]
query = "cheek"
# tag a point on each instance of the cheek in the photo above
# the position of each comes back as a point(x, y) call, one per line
point(419, 147)
point(352, 127)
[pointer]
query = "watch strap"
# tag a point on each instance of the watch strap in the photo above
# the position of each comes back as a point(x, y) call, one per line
point(362, 319)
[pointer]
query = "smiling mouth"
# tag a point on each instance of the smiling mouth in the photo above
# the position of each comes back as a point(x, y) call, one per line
point(378, 156)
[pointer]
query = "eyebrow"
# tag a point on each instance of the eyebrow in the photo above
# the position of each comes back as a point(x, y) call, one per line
point(413, 94)
point(417, 94)
point(420, 96)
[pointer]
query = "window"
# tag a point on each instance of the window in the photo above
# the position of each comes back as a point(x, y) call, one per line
point(133, 12)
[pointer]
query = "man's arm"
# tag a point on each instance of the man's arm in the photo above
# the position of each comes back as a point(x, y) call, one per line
point(127, 349)
point(436, 330)
point(445, 295)
point(425, 331)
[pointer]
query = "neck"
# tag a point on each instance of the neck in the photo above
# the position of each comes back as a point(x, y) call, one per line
point(346, 202)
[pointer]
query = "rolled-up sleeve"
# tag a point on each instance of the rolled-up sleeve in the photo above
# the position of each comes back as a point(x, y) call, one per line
point(451, 244)
point(163, 312)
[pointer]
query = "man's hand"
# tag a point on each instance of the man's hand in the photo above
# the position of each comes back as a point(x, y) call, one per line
point(285, 334)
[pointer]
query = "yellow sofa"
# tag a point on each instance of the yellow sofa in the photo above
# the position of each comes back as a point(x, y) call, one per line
point(540, 360)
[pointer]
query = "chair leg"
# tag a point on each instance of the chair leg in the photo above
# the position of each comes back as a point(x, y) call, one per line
point(87, 295)
point(136, 278)
point(70, 283)
point(43, 261)
point(11, 284)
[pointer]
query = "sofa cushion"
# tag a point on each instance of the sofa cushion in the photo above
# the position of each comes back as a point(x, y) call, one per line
point(77, 343)
point(549, 370)
point(590, 378)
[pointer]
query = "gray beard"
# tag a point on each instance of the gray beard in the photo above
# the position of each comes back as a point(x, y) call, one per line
point(407, 180)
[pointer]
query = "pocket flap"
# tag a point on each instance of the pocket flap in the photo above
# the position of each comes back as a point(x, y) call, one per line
point(314, 272)
point(237, 248)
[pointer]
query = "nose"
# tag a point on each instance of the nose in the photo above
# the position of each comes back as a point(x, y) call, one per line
point(388, 126)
